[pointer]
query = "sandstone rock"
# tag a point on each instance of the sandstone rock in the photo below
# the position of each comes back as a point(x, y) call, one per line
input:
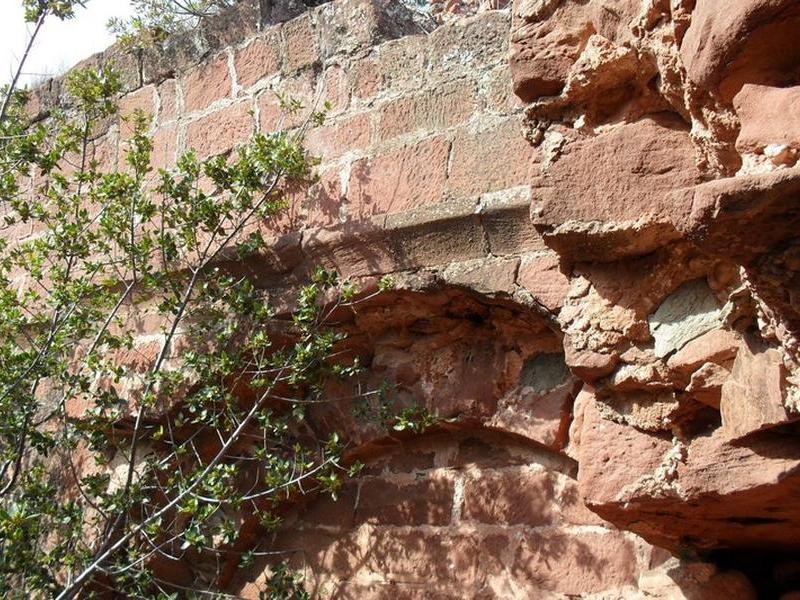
point(542, 277)
point(543, 53)
point(549, 36)
point(539, 409)
point(743, 217)
point(753, 397)
point(716, 346)
point(740, 41)
point(659, 489)
point(706, 384)
point(684, 315)
point(589, 365)
point(608, 197)
point(769, 116)
point(675, 580)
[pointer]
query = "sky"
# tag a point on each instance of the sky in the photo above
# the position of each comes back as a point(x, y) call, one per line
point(59, 45)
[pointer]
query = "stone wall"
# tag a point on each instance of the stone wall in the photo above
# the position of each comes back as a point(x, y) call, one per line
point(588, 208)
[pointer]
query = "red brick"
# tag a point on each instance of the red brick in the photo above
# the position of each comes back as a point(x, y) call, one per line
point(513, 496)
point(491, 160)
point(323, 200)
point(258, 60)
point(142, 99)
point(220, 131)
point(207, 84)
point(168, 96)
point(434, 109)
point(299, 43)
point(366, 79)
point(272, 117)
point(576, 564)
point(425, 502)
point(409, 177)
point(331, 141)
point(165, 145)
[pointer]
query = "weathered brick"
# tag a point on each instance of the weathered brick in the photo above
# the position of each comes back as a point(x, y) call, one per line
point(424, 502)
point(564, 562)
point(273, 117)
point(300, 46)
point(431, 110)
point(402, 62)
point(365, 78)
point(207, 84)
point(411, 176)
point(513, 496)
point(498, 92)
point(168, 101)
point(220, 131)
point(335, 89)
point(143, 99)
point(331, 141)
point(350, 26)
point(494, 159)
point(480, 43)
point(165, 145)
point(259, 59)
point(436, 234)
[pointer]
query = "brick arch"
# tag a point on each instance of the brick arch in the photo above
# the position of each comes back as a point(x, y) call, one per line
point(483, 505)
point(469, 513)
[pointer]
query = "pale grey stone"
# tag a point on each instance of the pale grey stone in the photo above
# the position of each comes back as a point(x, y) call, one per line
point(685, 314)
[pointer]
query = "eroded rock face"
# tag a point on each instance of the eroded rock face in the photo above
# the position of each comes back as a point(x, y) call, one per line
point(669, 191)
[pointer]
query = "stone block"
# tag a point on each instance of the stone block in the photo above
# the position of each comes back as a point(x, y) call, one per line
point(300, 44)
point(408, 177)
point(427, 501)
point(563, 562)
point(339, 137)
point(143, 99)
point(513, 496)
point(541, 275)
point(493, 159)
point(206, 84)
point(221, 130)
point(687, 313)
point(258, 60)
point(753, 397)
point(429, 111)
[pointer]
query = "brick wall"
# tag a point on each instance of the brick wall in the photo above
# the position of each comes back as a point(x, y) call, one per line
point(425, 174)
point(469, 515)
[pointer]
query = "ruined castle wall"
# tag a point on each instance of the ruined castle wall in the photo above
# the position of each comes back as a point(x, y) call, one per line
point(589, 213)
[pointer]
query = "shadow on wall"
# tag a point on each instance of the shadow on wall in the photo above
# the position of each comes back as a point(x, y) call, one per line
point(459, 513)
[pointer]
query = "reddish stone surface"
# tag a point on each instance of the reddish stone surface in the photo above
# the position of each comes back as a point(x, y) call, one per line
point(207, 84)
point(405, 178)
point(769, 115)
point(168, 99)
point(258, 60)
point(650, 146)
point(140, 100)
point(433, 109)
point(542, 277)
point(493, 159)
point(220, 131)
point(299, 43)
